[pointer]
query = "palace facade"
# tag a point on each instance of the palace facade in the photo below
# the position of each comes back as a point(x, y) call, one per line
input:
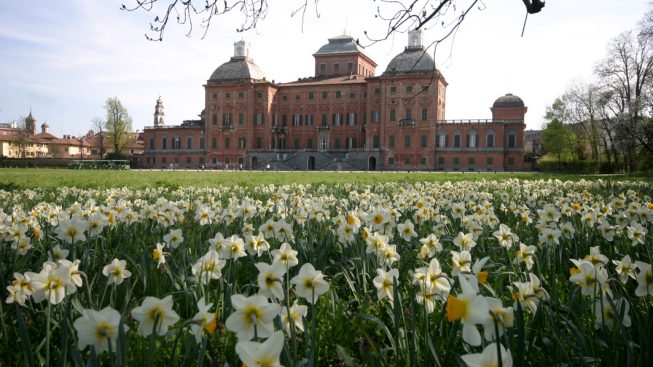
point(345, 117)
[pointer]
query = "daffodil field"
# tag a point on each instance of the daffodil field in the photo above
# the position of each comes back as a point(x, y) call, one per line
point(484, 273)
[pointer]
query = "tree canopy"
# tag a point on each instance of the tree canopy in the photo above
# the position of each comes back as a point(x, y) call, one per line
point(118, 124)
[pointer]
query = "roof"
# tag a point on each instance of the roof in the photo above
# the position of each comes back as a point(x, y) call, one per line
point(238, 67)
point(353, 79)
point(340, 44)
point(412, 60)
point(507, 101)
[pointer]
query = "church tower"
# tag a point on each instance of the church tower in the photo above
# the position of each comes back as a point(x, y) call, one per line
point(158, 113)
point(30, 123)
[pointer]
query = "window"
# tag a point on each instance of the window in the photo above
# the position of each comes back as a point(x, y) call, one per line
point(391, 160)
point(377, 90)
point(489, 161)
point(375, 142)
point(215, 96)
point(336, 68)
point(351, 118)
point(296, 120)
point(511, 140)
point(259, 143)
point(309, 143)
point(338, 94)
point(241, 118)
point(407, 141)
point(456, 160)
point(311, 95)
point(441, 161)
point(442, 141)
point(227, 143)
point(325, 95)
point(337, 119)
point(392, 114)
point(407, 160)
point(409, 88)
point(391, 141)
point(274, 120)
point(164, 143)
point(215, 119)
point(393, 89)
point(423, 161)
point(490, 140)
point(324, 119)
point(284, 120)
point(177, 160)
point(241, 94)
point(425, 88)
point(425, 114)
point(350, 67)
point(152, 143)
point(409, 114)
point(284, 98)
point(259, 95)
point(352, 95)
point(189, 160)
point(214, 143)
point(227, 95)
point(322, 68)
point(226, 119)
point(241, 143)
point(351, 143)
point(337, 145)
point(424, 141)
point(201, 160)
point(471, 161)
point(240, 162)
point(296, 143)
point(258, 118)
point(298, 97)
point(201, 143)
point(376, 116)
point(511, 161)
point(323, 143)
point(471, 140)
point(164, 160)
point(456, 140)
point(189, 142)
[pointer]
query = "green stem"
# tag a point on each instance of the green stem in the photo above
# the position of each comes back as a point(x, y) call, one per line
point(47, 335)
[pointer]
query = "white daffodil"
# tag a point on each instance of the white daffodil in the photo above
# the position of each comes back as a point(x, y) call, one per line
point(406, 230)
point(470, 308)
point(98, 329)
point(116, 271)
point(50, 284)
point(208, 267)
point(266, 354)
point(296, 316)
point(286, 255)
point(489, 357)
point(384, 283)
point(253, 316)
point(203, 321)
point(309, 283)
point(155, 315)
point(270, 279)
point(174, 238)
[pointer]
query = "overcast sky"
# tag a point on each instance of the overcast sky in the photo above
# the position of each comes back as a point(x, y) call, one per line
point(64, 58)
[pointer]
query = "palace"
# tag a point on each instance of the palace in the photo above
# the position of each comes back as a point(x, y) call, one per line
point(343, 118)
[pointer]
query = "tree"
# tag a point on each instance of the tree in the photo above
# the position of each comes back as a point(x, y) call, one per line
point(581, 104)
point(21, 137)
point(557, 138)
point(626, 75)
point(118, 125)
point(98, 124)
point(400, 16)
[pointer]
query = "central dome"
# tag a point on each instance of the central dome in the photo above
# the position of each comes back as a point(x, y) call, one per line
point(339, 45)
point(237, 68)
point(413, 59)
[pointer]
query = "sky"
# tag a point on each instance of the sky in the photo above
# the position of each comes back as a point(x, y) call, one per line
point(63, 59)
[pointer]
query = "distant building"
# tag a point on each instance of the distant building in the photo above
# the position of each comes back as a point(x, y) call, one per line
point(342, 118)
point(533, 142)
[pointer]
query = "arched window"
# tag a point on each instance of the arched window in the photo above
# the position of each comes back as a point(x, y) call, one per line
point(456, 139)
point(489, 141)
point(512, 139)
point(471, 139)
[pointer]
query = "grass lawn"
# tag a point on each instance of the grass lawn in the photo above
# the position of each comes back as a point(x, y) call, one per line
point(21, 178)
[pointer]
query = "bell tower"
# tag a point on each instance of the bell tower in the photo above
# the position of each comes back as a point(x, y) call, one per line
point(30, 123)
point(158, 113)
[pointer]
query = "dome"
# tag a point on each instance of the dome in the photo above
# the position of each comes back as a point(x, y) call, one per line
point(413, 59)
point(237, 68)
point(339, 45)
point(508, 101)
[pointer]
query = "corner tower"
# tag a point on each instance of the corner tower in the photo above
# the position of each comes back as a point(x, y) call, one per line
point(158, 113)
point(343, 56)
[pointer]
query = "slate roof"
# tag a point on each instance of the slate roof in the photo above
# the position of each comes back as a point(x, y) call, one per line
point(412, 60)
point(237, 68)
point(338, 45)
point(507, 101)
